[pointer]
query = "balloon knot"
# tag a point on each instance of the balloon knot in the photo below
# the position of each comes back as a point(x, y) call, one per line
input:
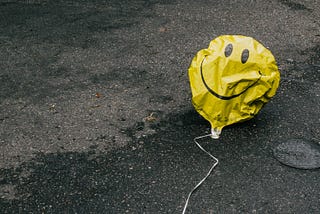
point(215, 133)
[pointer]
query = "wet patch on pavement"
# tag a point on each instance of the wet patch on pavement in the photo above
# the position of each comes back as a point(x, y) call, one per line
point(155, 172)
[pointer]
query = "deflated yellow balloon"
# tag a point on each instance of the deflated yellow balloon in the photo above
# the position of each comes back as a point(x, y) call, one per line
point(232, 80)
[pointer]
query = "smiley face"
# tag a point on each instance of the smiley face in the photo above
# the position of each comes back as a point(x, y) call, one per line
point(232, 79)
point(233, 66)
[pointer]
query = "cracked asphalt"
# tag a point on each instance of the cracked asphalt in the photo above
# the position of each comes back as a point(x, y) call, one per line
point(96, 113)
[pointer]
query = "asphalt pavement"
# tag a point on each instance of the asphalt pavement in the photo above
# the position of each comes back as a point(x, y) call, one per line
point(96, 113)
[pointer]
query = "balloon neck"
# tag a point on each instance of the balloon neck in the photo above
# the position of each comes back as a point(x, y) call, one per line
point(215, 133)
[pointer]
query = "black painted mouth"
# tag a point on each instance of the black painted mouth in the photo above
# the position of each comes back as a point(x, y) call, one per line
point(225, 97)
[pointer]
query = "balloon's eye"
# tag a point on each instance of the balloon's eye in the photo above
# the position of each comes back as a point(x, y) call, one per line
point(245, 56)
point(228, 50)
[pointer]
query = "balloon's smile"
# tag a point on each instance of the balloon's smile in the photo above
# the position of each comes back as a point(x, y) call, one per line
point(222, 96)
point(232, 80)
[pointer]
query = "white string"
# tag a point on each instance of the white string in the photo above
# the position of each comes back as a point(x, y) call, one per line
point(207, 175)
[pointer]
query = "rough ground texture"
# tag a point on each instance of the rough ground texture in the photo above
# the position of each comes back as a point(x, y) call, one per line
point(95, 110)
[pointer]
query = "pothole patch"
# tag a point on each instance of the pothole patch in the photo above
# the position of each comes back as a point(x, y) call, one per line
point(298, 153)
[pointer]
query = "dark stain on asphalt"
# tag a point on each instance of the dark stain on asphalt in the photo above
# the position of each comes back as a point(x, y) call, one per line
point(47, 30)
point(294, 5)
point(41, 86)
point(135, 179)
point(73, 19)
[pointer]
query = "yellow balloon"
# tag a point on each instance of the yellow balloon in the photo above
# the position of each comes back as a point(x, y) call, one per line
point(232, 80)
